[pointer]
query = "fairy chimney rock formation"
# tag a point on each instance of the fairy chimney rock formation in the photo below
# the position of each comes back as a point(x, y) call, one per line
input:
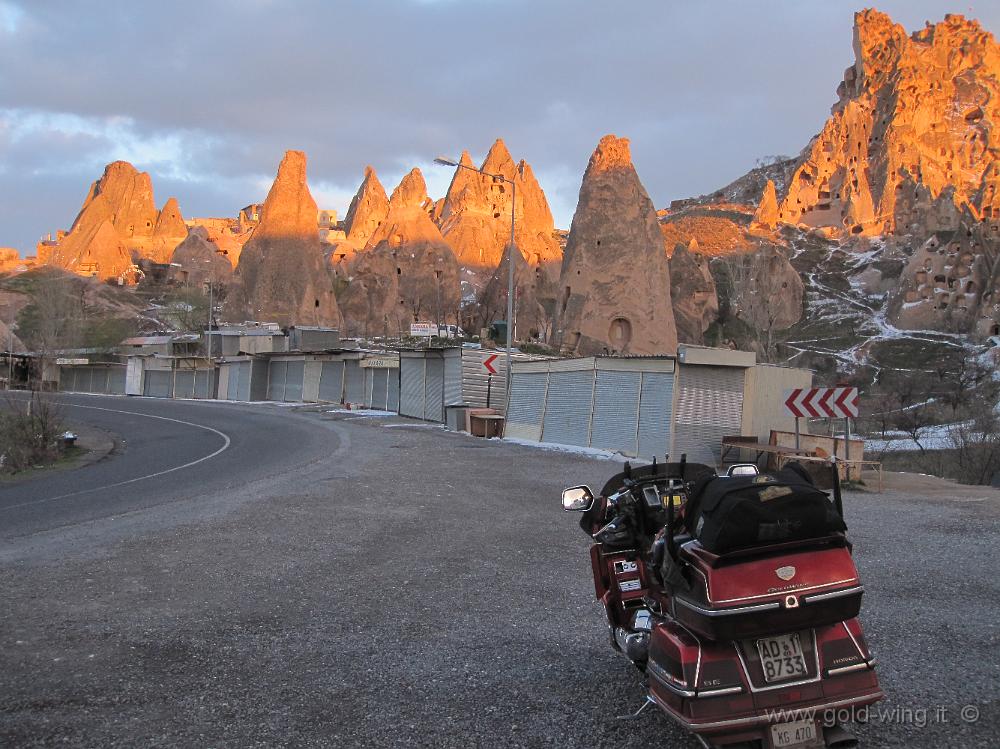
point(408, 273)
point(925, 105)
point(766, 214)
point(476, 214)
point(197, 259)
point(615, 282)
point(282, 275)
point(170, 231)
point(367, 211)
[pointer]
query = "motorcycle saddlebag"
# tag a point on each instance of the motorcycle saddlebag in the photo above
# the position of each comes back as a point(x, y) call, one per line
point(730, 513)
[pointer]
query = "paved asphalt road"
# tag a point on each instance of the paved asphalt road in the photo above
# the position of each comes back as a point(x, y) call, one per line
point(330, 580)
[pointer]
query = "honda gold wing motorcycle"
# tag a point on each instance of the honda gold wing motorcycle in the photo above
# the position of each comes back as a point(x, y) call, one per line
point(737, 597)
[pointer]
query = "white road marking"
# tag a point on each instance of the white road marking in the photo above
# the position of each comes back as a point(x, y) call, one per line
point(202, 459)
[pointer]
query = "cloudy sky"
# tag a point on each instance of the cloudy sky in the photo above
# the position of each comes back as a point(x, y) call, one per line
point(207, 95)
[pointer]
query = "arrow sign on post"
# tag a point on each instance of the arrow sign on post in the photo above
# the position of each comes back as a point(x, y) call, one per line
point(818, 403)
point(488, 363)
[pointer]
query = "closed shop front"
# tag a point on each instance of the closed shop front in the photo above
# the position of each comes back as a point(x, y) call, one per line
point(354, 386)
point(527, 403)
point(709, 407)
point(568, 407)
point(618, 404)
point(616, 411)
point(656, 401)
point(276, 379)
point(411, 377)
point(158, 383)
point(331, 382)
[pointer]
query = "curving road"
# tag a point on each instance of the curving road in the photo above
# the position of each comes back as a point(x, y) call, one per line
point(167, 452)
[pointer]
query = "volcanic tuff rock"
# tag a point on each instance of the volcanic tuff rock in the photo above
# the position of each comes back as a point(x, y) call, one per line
point(407, 274)
point(692, 290)
point(615, 278)
point(123, 198)
point(199, 260)
point(367, 211)
point(925, 105)
point(170, 231)
point(475, 215)
point(9, 259)
point(766, 214)
point(282, 275)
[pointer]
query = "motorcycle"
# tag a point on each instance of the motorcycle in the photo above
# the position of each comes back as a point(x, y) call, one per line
point(737, 596)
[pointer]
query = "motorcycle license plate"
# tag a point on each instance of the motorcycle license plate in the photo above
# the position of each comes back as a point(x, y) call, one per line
point(795, 733)
point(781, 657)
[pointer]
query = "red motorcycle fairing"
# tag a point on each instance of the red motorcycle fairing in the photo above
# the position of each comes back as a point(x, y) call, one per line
point(720, 688)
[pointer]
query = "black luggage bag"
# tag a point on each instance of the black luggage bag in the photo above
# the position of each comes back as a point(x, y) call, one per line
point(730, 513)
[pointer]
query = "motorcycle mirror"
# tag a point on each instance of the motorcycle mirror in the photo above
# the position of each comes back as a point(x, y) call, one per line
point(577, 499)
point(743, 469)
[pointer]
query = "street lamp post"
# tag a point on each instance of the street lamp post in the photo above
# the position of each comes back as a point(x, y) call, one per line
point(510, 251)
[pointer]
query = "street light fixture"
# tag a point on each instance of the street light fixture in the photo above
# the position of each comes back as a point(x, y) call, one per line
point(443, 161)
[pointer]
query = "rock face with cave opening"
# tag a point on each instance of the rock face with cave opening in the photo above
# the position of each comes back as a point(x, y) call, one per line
point(924, 106)
point(615, 281)
point(407, 272)
point(282, 275)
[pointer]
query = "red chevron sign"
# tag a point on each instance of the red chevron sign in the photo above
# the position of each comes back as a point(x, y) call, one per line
point(488, 363)
point(822, 402)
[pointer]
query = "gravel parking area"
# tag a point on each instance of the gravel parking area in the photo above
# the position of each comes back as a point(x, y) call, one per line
point(422, 588)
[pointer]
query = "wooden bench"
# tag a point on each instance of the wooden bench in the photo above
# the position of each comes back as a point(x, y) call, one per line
point(781, 452)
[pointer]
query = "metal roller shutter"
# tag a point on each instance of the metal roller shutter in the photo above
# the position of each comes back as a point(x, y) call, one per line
point(616, 411)
point(355, 386)
point(655, 403)
point(331, 382)
point(411, 396)
point(527, 398)
point(98, 380)
point(434, 391)
point(294, 375)
point(233, 392)
point(709, 407)
point(84, 377)
point(567, 408)
point(158, 383)
point(276, 380)
point(392, 403)
point(203, 380)
point(380, 389)
point(243, 389)
point(116, 381)
point(67, 379)
point(184, 383)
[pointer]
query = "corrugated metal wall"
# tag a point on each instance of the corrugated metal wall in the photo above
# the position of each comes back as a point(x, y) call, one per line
point(568, 408)
point(709, 407)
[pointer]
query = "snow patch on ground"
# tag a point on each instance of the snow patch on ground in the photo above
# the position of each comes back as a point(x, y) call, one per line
point(592, 452)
